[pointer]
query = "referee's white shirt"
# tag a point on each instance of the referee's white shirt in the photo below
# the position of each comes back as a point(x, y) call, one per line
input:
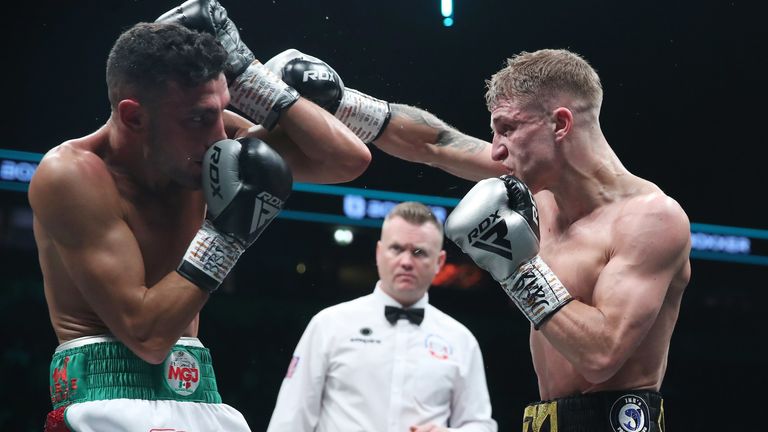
point(353, 371)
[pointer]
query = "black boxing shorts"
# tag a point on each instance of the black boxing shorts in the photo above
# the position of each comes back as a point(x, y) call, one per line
point(614, 411)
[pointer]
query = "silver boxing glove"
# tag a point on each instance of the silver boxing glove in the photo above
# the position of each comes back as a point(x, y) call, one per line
point(497, 225)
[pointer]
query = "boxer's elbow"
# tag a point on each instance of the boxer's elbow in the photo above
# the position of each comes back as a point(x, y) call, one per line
point(346, 164)
point(597, 375)
point(355, 163)
point(153, 357)
point(599, 367)
point(146, 342)
point(342, 157)
point(152, 350)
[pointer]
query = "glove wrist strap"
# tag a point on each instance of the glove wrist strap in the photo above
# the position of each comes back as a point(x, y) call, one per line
point(261, 95)
point(210, 257)
point(536, 291)
point(364, 115)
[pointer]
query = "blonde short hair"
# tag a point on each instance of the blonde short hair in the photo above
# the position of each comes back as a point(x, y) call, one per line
point(537, 77)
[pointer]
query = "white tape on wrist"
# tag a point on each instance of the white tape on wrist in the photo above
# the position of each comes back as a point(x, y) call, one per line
point(256, 92)
point(362, 114)
point(536, 291)
point(213, 253)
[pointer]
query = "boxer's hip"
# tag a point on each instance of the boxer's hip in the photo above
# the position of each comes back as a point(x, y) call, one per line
point(618, 411)
point(102, 368)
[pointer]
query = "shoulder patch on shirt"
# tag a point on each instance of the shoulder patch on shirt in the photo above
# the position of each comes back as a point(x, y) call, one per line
point(292, 366)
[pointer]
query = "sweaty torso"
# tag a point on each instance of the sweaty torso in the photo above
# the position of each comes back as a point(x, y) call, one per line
point(163, 225)
point(577, 255)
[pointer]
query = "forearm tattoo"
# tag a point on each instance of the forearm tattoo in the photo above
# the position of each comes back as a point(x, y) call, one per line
point(447, 136)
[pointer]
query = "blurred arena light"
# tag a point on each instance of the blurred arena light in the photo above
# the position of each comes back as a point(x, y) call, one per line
point(446, 8)
point(343, 236)
point(459, 275)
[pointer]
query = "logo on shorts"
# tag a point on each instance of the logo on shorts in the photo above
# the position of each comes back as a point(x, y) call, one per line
point(629, 414)
point(182, 372)
point(66, 377)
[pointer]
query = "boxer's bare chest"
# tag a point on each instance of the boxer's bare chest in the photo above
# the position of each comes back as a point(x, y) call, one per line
point(163, 226)
point(578, 252)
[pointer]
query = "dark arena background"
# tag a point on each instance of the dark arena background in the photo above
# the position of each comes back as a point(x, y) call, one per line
point(685, 93)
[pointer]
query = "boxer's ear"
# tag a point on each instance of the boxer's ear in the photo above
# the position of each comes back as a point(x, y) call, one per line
point(132, 114)
point(563, 120)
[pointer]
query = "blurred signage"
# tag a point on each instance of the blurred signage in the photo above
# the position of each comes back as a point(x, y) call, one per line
point(17, 168)
point(727, 243)
point(367, 207)
point(358, 207)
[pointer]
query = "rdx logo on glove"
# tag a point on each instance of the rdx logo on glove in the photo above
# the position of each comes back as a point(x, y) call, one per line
point(213, 172)
point(267, 207)
point(490, 235)
point(314, 75)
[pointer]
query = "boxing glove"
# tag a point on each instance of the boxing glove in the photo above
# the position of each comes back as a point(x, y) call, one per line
point(497, 225)
point(315, 80)
point(245, 184)
point(311, 77)
point(257, 92)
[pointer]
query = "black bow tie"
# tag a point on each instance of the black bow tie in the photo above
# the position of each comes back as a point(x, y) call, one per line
point(394, 313)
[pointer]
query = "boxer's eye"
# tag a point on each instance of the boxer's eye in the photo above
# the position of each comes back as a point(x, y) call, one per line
point(203, 117)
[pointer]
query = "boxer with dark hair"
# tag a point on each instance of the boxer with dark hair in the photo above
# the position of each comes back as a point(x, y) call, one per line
point(139, 222)
point(596, 258)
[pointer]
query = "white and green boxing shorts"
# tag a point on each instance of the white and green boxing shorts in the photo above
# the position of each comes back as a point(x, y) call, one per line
point(98, 384)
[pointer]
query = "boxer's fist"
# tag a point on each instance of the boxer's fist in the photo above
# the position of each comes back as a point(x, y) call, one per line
point(314, 79)
point(311, 77)
point(246, 184)
point(498, 234)
point(257, 92)
point(211, 17)
point(497, 225)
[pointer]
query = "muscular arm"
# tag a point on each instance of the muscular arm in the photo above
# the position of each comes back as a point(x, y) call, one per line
point(76, 203)
point(317, 147)
point(652, 246)
point(418, 136)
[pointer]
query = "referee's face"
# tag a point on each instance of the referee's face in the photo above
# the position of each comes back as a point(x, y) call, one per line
point(408, 257)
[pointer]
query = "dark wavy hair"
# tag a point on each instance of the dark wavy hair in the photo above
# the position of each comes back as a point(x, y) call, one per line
point(147, 56)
